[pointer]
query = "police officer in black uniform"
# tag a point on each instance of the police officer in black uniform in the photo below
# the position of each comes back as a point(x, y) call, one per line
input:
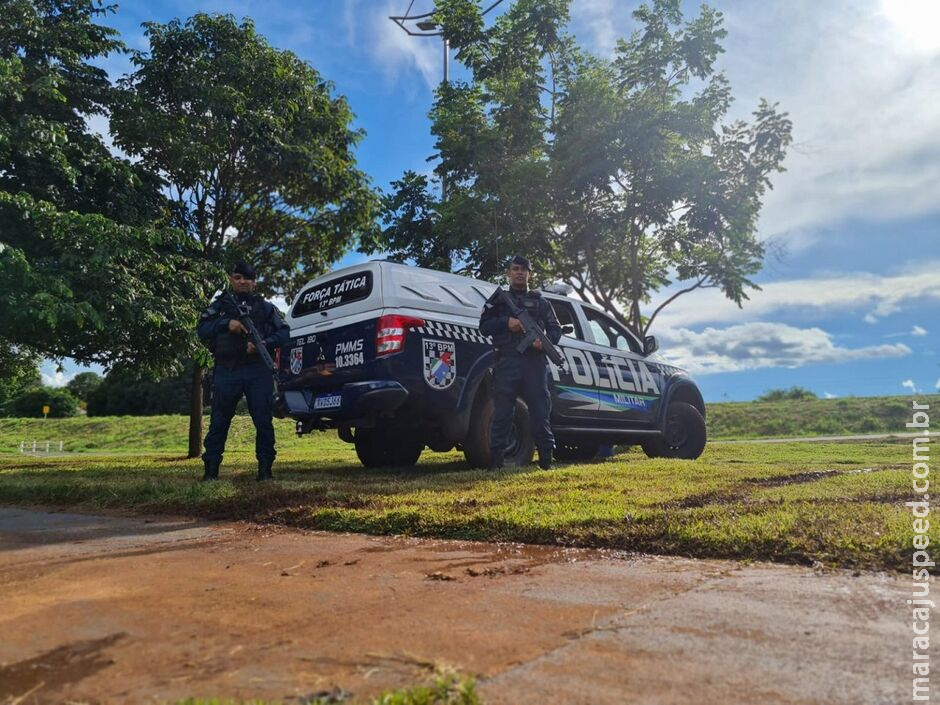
point(520, 374)
point(239, 369)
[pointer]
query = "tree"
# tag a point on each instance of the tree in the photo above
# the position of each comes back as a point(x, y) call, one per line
point(87, 268)
point(29, 404)
point(18, 373)
point(83, 384)
point(618, 176)
point(257, 153)
point(127, 393)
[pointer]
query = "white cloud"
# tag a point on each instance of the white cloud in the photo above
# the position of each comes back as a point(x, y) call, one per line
point(828, 395)
point(909, 384)
point(881, 295)
point(56, 379)
point(397, 52)
point(760, 345)
point(937, 385)
point(917, 330)
point(859, 89)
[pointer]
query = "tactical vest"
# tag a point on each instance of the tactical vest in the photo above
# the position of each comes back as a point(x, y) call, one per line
point(505, 343)
point(231, 349)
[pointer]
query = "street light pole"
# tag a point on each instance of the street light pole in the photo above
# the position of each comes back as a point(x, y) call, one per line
point(428, 27)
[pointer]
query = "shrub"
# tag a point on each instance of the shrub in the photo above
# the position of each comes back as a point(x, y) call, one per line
point(60, 401)
point(791, 393)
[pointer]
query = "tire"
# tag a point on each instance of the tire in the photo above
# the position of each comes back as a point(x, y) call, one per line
point(476, 446)
point(684, 434)
point(387, 447)
point(576, 452)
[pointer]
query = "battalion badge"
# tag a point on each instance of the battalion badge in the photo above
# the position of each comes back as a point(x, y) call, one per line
point(440, 363)
point(296, 360)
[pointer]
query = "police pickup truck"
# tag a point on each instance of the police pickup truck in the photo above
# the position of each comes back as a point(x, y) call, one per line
point(391, 356)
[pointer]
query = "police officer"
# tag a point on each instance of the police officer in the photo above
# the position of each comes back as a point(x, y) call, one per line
point(239, 369)
point(520, 374)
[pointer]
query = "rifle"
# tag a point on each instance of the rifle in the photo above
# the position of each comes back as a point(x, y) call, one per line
point(244, 316)
point(532, 331)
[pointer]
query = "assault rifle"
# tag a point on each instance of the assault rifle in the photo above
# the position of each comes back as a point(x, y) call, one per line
point(244, 316)
point(531, 330)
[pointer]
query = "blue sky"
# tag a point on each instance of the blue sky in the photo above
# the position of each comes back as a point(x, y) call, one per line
point(849, 303)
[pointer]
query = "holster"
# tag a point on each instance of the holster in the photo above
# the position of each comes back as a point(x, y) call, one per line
point(208, 377)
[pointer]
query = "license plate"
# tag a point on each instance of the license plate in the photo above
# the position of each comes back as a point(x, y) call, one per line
point(328, 401)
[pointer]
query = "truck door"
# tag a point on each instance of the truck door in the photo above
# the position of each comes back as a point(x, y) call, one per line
point(629, 389)
point(573, 392)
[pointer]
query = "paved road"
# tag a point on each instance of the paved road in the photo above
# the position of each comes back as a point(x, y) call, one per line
point(133, 610)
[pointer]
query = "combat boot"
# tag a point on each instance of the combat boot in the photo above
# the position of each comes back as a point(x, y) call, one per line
point(545, 458)
point(497, 458)
point(211, 472)
point(264, 470)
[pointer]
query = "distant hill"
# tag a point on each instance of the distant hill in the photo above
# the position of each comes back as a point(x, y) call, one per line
point(814, 417)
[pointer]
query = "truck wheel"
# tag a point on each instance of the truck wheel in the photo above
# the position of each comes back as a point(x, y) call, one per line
point(476, 446)
point(574, 452)
point(683, 436)
point(387, 447)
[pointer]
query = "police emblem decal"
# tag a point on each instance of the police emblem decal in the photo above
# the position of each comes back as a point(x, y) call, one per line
point(296, 360)
point(440, 363)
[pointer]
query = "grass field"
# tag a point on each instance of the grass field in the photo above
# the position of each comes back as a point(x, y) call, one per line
point(838, 504)
point(852, 415)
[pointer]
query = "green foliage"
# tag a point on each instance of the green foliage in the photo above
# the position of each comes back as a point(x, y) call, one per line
point(257, 152)
point(61, 403)
point(410, 213)
point(125, 392)
point(793, 392)
point(83, 286)
point(86, 269)
point(47, 89)
point(447, 689)
point(19, 371)
point(619, 175)
point(83, 384)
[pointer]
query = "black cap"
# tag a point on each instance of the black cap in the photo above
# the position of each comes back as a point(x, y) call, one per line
point(521, 261)
point(243, 268)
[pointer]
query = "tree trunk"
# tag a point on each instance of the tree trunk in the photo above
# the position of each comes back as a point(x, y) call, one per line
point(195, 413)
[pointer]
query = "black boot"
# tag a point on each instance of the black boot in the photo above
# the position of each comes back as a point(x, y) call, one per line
point(496, 460)
point(264, 470)
point(545, 458)
point(211, 473)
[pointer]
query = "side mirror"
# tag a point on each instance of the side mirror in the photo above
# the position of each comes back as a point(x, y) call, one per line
point(567, 330)
point(650, 345)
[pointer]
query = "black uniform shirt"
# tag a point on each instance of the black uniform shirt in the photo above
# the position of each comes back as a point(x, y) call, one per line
point(494, 321)
point(231, 349)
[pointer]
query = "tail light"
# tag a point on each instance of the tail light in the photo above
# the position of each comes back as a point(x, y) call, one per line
point(391, 331)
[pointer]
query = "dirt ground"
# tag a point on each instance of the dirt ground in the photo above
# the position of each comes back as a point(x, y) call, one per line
point(137, 610)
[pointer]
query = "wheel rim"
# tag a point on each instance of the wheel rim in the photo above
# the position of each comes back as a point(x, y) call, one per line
point(676, 433)
point(512, 443)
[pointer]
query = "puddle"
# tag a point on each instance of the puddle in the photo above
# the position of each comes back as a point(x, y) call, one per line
point(62, 666)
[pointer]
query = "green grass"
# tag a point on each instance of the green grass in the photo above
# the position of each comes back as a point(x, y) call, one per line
point(447, 689)
point(840, 504)
point(168, 434)
point(813, 417)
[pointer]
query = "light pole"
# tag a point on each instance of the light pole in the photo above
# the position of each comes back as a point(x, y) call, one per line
point(425, 26)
